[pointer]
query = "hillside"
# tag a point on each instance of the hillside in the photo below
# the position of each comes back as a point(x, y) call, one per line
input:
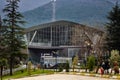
point(89, 12)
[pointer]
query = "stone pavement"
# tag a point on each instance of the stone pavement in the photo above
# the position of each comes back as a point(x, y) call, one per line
point(62, 77)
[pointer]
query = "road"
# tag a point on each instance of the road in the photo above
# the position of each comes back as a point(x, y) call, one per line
point(62, 77)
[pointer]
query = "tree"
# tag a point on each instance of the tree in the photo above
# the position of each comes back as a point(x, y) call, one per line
point(75, 62)
point(91, 62)
point(3, 62)
point(67, 67)
point(115, 57)
point(113, 27)
point(14, 38)
point(29, 67)
point(3, 47)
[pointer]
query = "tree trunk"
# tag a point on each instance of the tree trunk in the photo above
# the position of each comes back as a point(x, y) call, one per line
point(1, 70)
point(97, 69)
point(73, 68)
point(11, 65)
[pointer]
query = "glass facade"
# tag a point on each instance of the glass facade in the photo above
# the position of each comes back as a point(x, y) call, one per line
point(66, 38)
point(57, 35)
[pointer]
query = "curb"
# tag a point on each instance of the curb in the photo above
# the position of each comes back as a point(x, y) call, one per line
point(93, 75)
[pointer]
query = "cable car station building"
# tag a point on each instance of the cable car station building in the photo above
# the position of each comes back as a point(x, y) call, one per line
point(62, 40)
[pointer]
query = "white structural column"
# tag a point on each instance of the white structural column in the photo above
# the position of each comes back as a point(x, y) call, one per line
point(32, 37)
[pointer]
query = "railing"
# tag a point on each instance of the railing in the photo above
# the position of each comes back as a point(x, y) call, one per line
point(41, 44)
point(52, 60)
point(5, 72)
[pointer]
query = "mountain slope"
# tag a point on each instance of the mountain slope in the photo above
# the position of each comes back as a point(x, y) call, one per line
point(89, 12)
point(26, 5)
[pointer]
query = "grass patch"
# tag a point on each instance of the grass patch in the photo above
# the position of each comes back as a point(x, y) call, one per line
point(20, 74)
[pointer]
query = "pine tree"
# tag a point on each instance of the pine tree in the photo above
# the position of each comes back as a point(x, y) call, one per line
point(3, 47)
point(2, 50)
point(14, 38)
point(3, 62)
point(113, 29)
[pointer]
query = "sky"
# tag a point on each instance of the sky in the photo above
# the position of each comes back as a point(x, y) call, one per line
point(25, 5)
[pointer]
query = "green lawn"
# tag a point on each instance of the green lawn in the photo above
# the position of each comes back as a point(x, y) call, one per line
point(20, 74)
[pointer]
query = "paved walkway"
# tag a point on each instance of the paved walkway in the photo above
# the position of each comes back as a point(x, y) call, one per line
point(62, 77)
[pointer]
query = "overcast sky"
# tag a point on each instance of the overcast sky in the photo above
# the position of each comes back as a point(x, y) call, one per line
point(25, 5)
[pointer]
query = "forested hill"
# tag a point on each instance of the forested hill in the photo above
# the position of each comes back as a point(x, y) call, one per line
point(88, 12)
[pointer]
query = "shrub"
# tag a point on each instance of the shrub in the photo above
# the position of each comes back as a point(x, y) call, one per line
point(114, 57)
point(29, 67)
point(75, 62)
point(116, 69)
point(60, 68)
point(91, 63)
point(67, 66)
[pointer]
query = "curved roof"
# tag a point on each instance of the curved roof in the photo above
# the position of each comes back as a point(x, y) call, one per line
point(61, 22)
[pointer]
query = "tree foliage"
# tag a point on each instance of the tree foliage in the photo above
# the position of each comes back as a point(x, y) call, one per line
point(91, 62)
point(75, 62)
point(113, 29)
point(3, 62)
point(29, 67)
point(13, 34)
point(67, 67)
point(115, 57)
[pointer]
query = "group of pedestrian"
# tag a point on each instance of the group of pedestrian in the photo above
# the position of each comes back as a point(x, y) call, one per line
point(104, 67)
